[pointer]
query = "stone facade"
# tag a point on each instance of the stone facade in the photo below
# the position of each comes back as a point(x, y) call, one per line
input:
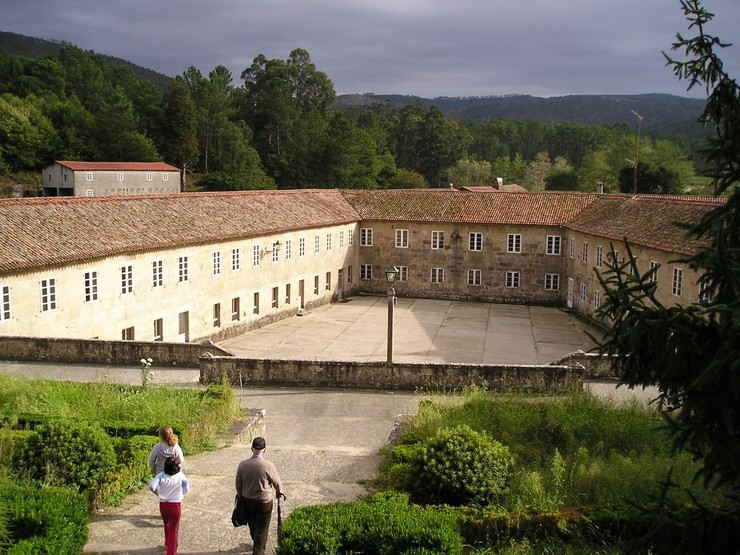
point(105, 179)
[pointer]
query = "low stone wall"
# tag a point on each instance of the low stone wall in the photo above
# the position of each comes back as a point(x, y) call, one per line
point(595, 365)
point(380, 376)
point(97, 351)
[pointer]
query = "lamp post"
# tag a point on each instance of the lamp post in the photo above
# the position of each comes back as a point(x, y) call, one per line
point(391, 273)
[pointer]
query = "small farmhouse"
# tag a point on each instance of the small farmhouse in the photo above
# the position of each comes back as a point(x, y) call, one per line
point(105, 179)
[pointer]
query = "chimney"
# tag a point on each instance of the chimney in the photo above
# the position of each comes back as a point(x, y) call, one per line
point(499, 183)
point(600, 188)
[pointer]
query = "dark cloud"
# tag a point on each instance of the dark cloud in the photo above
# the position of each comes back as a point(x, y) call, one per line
point(442, 48)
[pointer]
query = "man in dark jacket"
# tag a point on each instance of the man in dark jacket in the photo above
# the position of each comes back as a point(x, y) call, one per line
point(255, 479)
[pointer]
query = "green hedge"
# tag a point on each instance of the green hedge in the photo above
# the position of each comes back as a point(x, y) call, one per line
point(383, 526)
point(44, 521)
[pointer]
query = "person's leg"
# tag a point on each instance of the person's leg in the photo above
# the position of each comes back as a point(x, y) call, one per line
point(171, 517)
point(263, 515)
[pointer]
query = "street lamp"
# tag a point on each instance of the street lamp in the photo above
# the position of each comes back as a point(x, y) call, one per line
point(391, 273)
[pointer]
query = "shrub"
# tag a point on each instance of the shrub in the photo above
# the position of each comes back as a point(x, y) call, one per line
point(460, 466)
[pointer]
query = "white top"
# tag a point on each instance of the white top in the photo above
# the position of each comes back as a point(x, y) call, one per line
point(170, 489)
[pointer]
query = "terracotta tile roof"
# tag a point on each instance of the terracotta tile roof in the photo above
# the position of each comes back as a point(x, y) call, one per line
point(510, 187)
point(39, 232)
point(444, 205)
point(118, 166)
point(647, 220)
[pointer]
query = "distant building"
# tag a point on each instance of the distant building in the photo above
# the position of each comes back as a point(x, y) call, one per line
point(105, 179)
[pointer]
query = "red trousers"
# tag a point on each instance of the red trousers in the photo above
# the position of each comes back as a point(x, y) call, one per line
point(171, 513)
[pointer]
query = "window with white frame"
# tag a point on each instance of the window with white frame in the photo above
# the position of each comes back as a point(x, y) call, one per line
point(438, 240)
point(613, 256)
point(119, 177)
point(158, 329)
point(255, 255)
point(127, 279)
point(366, 271)
point(677, 287)
point(149, 176)
point(127, 334)
point(275, 297)
point(341, 239)
point(235, 311)
point(157, 274)
point(705, 292)
point(402, 238)
point(512, 279)
point(403, 273)
point(5, 313)
point(350, 237)
point(302, 246)
point(217, 315)
point(235, 259)
point(91, 286)
point(438, 275)
point(584, 252)
point(474, 277)
point(287, 293)
point(328, 242)
point(349, 274)
point(654, 270)
point(48, 294)
point(583, 293)
point(216, 263)
point(552, 282)
point(599, 255)
point(475, 241)
point(88, 176)
point(288, 249)
point(89, 193)
point(514, 242)
point(366, 237)
point(165, 177)
point(275, 253)
point(597, 298)
point(316, 244)
point(553, 245)
point(327, 284)
point(182, 268)
point(572, 249)
point(256, 303)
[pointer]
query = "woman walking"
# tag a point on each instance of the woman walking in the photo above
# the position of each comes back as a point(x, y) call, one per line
point(167, 447)
point(170, 485)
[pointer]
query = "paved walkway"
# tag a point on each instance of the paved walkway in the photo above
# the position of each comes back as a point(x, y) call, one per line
point(324, 443)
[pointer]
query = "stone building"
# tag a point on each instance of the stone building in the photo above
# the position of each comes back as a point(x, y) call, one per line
point(105, 179)
point(189, 267)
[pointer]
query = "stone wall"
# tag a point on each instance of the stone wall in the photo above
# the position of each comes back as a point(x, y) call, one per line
point(380, 376)
point(97, 351)
point(595, 366)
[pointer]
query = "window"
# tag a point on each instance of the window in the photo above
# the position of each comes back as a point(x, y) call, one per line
point(654, 269)
point(584, 252)
point(127, 334)
point(366, 271)
point(182, 268)
point(216, 263)
point(599, 255)
point(552, 282)
point(597, 298)
point(403, 273)
point(287, 293)
point(275, 253)
point(255, 255)
point(48, 294)
point(316, 244)
point(349, 274)
point(302, 246)
point(328, 242)
point(288, 249)
point(275, 295)
point(366, 237)
point(512, 279)
point(89, 193)
point(119, 177)
point(235, 259)
point(475, 241)
point(572, 249)
point(149, 176)
point(235, 311)
point(4, 303)
point(583, 293)
point(351, 237)
point(341, 239)
point(677, 281)
point(165, 177)
point(553, 245)
point(474, 277)
point(127, 279)
point(613, 257)
point(157, 273)
point(438, 240)
point(514, 242)
point(256, 304)
point(402, 238)
point(315, 285)
point(91, 286)
point(158, 329)
point(438, 275)
point(88, 176)
point(217, 315)
point(705, 291)
point(328, 281)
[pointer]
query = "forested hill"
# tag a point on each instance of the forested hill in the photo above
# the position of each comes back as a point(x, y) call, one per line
point(13, 44)
point(658, 110)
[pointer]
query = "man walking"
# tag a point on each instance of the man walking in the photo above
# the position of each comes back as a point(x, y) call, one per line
point(254, 478)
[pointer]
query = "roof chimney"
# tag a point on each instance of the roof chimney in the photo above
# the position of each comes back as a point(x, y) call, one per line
point(499, 183)
point(600, 188)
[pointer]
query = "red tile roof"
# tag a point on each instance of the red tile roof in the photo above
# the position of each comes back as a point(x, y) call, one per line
point(117, 166)
point(45, 231)
point(444, 205)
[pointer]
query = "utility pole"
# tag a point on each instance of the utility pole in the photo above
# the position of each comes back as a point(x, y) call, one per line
point(637, 152)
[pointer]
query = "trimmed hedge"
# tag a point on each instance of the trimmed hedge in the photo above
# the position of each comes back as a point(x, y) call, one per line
point(386, 525)
point(44, 521)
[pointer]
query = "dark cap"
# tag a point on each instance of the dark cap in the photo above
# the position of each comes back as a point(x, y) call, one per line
point(259, 443)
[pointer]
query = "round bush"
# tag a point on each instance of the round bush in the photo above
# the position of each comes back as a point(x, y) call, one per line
point(460, 466)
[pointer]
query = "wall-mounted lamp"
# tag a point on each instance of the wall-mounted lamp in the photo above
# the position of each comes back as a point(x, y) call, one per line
point(275, 248)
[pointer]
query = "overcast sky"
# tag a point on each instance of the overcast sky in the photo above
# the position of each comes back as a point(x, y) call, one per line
point(418, 47)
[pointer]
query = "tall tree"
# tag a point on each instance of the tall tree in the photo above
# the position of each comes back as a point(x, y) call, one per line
point(180, 146)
